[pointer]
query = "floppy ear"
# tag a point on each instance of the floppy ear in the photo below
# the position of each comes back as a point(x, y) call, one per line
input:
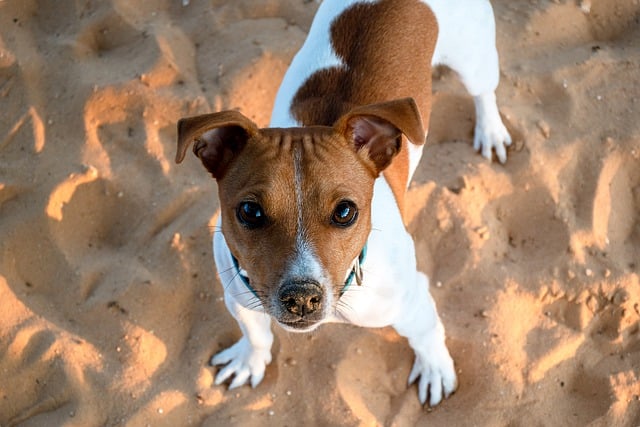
point(375, 130)
point(218, 138)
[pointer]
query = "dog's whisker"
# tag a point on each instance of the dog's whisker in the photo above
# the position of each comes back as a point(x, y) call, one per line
point(353, 289)
point(342, 303)
point(230, 282)
point(243, 293)
point(226, 270)
point(342, 308)
point(252, 302)
point(255, 305)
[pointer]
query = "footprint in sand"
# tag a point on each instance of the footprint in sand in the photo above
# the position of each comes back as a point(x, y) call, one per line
point(535, 237)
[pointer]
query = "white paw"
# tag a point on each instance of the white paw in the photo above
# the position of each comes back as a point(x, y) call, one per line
point(437, 377)
point(244, 362)
point(490, 133)
point(492, 136)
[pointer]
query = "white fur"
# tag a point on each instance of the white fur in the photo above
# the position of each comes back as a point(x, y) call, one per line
point(394, 293)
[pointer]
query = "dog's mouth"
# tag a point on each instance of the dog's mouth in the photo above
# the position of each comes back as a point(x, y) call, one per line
point(300, 325)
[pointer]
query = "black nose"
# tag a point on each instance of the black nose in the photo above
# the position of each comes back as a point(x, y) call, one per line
point(301, 298)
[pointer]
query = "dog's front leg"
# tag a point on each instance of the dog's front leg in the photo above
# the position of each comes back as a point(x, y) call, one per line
point(420, 324)
point(246, 359)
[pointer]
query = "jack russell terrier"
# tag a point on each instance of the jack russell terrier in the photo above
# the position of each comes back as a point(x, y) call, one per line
point(311, 207)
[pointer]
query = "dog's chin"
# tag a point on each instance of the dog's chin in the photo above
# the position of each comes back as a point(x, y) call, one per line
point(299, 326)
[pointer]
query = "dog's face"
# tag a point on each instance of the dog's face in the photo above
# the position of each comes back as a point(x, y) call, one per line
point(297, 220)
point(296, 203)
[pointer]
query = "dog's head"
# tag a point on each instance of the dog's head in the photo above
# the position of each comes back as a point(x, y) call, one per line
point(296, 203)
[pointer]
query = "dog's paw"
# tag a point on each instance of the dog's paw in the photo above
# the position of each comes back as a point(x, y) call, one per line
point(492, 136)
point(242, 361)
point(437, 377)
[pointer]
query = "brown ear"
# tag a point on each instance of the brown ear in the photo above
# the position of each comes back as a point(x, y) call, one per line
point(218, 138)
point(375, 130)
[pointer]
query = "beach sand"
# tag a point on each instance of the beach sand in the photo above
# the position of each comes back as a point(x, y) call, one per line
point(110, 304)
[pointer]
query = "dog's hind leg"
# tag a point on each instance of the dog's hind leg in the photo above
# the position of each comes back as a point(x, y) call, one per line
point(466, 44)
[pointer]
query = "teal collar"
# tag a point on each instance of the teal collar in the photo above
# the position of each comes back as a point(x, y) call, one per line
point(356, 272)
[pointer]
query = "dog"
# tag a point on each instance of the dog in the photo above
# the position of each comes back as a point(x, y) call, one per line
point(311, 213)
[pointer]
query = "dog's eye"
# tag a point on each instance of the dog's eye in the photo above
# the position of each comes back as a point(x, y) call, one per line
point(345, 214)
point(251, 215)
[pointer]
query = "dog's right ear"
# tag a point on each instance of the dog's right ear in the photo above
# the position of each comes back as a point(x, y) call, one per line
point(375, 130)
point(217, 138)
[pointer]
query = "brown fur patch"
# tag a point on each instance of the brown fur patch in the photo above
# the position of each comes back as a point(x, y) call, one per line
point(386, 48)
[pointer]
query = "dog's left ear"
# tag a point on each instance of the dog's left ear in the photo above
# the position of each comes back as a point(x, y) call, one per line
point(375, 130)
point(218, 138)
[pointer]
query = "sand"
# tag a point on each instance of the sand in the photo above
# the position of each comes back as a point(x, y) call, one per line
point(110, 305)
